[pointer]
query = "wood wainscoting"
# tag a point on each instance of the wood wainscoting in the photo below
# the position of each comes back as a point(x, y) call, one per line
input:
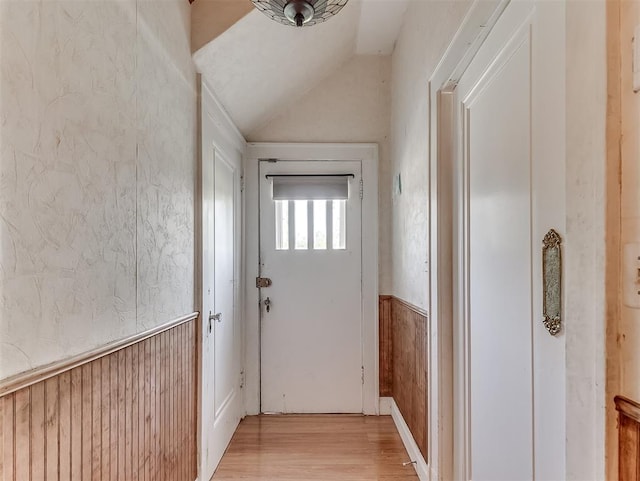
point(125, 412)
point(385, 336)
point(403, 363)
point(628, 439)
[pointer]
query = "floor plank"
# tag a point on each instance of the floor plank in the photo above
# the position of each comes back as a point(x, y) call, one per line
point(317, 447)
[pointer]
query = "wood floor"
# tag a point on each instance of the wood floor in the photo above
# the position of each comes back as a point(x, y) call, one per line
point(318, 447)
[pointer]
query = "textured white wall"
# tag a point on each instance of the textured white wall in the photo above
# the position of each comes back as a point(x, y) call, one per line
point(351, 105)
point(258, 65)
point(428, 29)
point(584, 249)
point(97, 174)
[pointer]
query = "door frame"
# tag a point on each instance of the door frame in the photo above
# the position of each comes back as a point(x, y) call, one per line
point(216, 129)
point(368, 155)
point(585, 366)
point(515, 29)
point(475, 28)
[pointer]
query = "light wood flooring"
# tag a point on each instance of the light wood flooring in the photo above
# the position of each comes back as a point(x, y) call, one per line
point(316, 447)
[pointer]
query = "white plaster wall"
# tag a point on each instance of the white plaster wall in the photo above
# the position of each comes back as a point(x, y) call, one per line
point(97, 166)
point(167, 133)
point(428, 29)
point(258, 65)
point(351, 105)
point(584, 250)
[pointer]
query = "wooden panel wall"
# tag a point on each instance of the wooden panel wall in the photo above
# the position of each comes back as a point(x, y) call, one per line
point(386, 346)
point(629, 439)
point(403, 363)
point(130, 415)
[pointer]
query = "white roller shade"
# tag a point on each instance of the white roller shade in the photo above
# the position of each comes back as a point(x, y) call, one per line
point(313, 187)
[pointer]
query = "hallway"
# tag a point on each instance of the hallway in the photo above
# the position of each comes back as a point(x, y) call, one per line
point(320, 447)
point(429, 208)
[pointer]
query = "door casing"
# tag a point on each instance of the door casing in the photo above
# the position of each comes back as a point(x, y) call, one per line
point(475, 29)
point(368, 155)
point(217, 134)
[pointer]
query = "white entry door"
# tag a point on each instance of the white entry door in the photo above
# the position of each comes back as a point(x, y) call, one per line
point(311, 320)
point(509, 390)
point(221, 403)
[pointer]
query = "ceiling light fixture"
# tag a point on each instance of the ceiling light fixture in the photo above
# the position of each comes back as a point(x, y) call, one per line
point(299, 13)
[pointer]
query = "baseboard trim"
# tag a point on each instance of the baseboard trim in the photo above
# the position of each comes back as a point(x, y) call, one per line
point(385, 406)
point(421, 467)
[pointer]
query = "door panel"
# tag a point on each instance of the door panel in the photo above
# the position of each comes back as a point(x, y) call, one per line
point(221, 403)
point(311, 359)
point(503, 403)
point(225, 327)
point(501, 389)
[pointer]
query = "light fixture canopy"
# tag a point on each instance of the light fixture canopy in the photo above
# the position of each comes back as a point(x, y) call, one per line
point(299, 13)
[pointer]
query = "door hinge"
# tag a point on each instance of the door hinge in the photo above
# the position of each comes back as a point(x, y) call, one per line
point(262, 282)
point(241, 379)
point(362, 371)
point(242, 183)
point(361, 189)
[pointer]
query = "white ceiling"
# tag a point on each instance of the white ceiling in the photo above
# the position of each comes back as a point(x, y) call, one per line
point(379, 25)
point(258, 66)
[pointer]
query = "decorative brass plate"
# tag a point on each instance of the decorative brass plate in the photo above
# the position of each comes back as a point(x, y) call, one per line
point(552, 282)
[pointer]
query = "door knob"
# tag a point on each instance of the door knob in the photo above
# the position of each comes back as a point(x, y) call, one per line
point(267, 304)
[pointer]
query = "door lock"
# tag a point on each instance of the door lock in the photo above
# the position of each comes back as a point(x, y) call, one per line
point(214, 317)
point(267, 304)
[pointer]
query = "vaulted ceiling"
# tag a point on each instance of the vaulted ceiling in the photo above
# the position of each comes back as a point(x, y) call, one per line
point(257, 67)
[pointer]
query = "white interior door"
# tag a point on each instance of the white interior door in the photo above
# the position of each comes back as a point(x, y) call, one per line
point(311, 321)
point(221, 403)
point(509, 390)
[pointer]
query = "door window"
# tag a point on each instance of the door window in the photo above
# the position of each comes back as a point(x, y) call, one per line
point(310, 212)
point(319, 225)
point(301, 225)
point(339, 224)
point(282, 225)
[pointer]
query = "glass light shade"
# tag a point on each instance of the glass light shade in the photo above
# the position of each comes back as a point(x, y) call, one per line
point(301, 13)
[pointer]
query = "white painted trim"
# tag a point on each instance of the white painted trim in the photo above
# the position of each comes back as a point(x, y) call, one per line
point(586, 255)
point(385, 406)
point(216, 127)
point(471, 34)
point(474, 29)
point(421, 466)
point(219, 115)
point(368, 154)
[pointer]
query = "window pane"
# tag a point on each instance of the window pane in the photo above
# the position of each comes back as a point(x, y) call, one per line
point(339, 224)
point(282, 225)
point(319, 224)
point(301, 224)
